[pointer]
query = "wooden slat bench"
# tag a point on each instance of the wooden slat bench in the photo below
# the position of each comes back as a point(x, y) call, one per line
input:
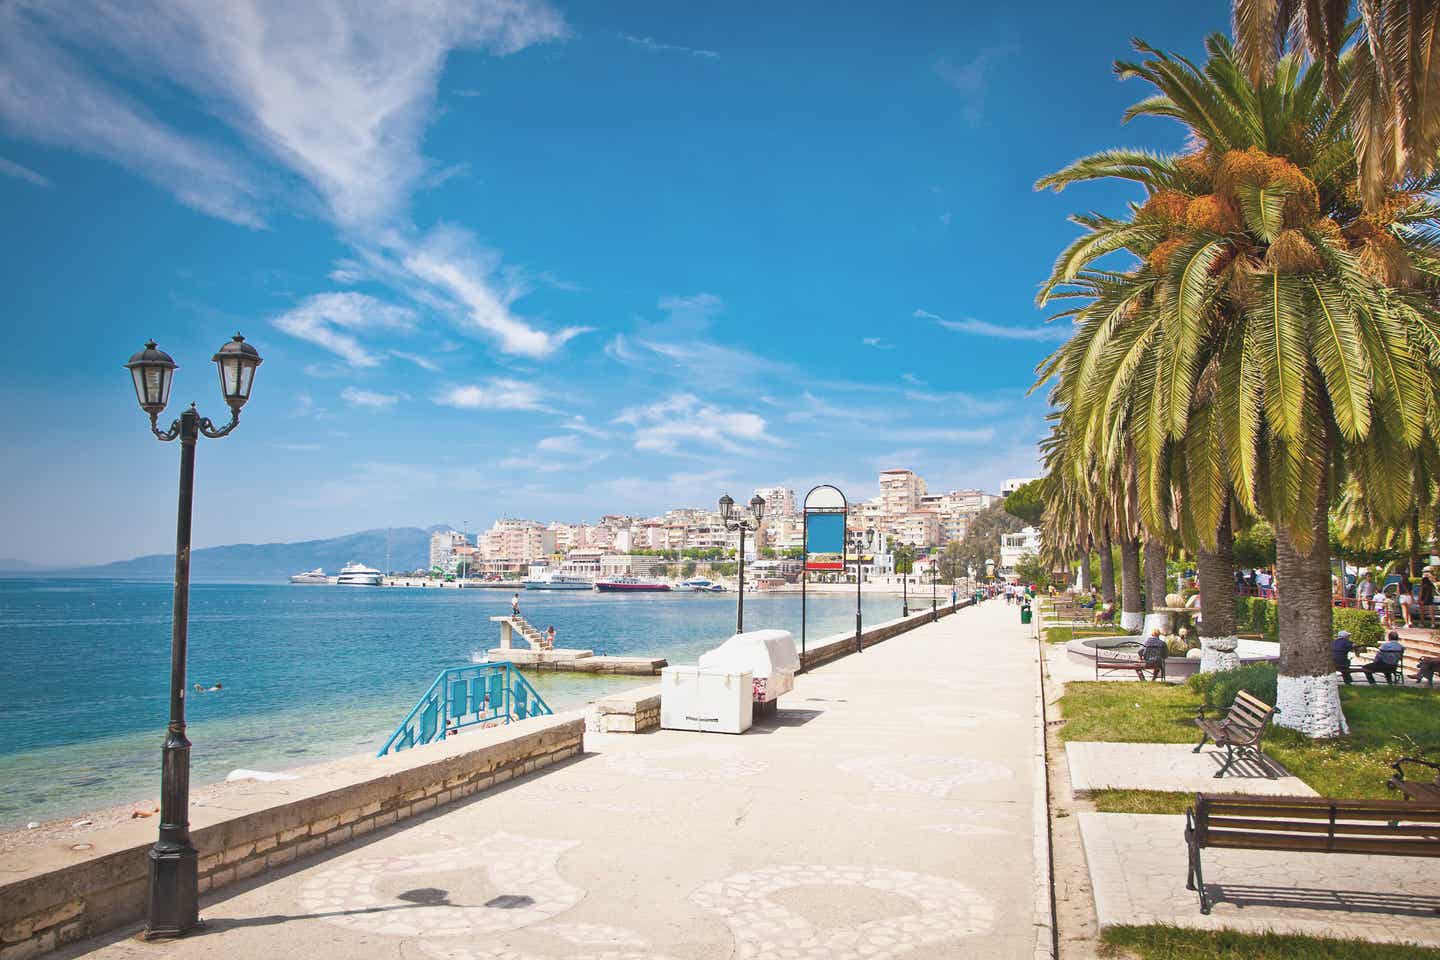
point(1377, 828)
point(1423, 791)
point(1240, 731)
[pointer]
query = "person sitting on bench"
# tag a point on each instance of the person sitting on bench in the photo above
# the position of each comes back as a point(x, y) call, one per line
point(1340, 650)
point(1388, 657)
point(1105, 613)
point(1426, 669)
point(1153, 652)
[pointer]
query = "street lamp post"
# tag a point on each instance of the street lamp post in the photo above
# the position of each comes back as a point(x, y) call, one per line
point(741, 522)
point(173, 905)
point(934, 569)
point(905, 587)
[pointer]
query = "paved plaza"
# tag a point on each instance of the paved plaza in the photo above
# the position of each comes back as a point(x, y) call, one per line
point(1176, 767)
point(890, 809)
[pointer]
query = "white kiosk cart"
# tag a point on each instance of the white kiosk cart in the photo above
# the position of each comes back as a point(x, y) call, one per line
point(767, 655)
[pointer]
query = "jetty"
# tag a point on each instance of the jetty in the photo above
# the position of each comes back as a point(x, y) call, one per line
point(540, 657)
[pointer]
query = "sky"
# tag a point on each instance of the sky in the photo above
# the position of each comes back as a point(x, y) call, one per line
point(536, 259)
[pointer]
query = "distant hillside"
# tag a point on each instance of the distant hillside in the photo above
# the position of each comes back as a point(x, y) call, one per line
point(409, 550)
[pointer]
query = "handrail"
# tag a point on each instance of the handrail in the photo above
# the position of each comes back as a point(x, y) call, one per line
point(482, 693)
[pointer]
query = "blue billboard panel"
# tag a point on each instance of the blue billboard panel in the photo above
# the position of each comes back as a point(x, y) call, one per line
point(825, 541)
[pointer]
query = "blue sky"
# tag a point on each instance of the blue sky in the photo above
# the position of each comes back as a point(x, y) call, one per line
point(509, 258)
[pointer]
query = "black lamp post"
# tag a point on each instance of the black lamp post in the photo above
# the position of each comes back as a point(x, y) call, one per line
point(741, 522)
point(174, 907)
point(934, 571)
point(905, 585)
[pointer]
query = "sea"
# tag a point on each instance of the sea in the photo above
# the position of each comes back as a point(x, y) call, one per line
point(308, 673)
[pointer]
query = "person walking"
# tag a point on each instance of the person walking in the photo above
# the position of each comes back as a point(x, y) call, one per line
point(1404, 596)
point(515, 605)
point(1365, 593)
point(1424, 610)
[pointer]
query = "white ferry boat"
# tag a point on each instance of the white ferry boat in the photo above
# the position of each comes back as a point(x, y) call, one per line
point(358, 575)
point(312, 576)
point(703, 585)
point(558, 581)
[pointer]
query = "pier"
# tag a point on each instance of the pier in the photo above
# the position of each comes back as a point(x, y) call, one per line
point(538, 657)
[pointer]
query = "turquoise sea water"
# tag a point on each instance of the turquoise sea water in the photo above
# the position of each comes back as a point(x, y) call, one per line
point(309, 672)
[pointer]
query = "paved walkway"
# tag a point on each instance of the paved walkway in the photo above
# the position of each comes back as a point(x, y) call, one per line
point(1176, 767)
point(888, 811)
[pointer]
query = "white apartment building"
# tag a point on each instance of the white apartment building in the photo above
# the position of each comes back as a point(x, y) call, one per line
point(442, 548)
point(900, 491)
point(1015, 483)
point(779, 501)
point(1013, 546)
point(918, 529)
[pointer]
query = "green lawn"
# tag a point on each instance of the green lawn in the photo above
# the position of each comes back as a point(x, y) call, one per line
point(1174, 943)
point(1386, 723)
point(1064, 632)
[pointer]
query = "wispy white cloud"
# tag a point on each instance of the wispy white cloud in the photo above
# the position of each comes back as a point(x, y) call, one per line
point(331, 320)
point(696, 308)
point(10, 168)
point(563, 443)
point(683, 417)
point(958, 435)
point(958, 402)
point(650, 43)
point(448, 259)
point(496, 393)
point(911, 379)
point(369, 399)
point(347, 272)
point(424, 363)
point(971, 79)
point(879, 343)
point(983, 328)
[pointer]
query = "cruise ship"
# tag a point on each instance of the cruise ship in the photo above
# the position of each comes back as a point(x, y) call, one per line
point(312, 576)
point(358, 575)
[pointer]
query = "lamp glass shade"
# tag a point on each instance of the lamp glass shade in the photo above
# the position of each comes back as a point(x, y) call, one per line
point(236, 361)
point(151, 372)
point(727, 507)
point(757, 507)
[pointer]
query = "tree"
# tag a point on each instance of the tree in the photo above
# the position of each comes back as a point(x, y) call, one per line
point(1388, 78)
point(982, 537)
point(1027, 502)
point(1030, 570)
point(1274, 339)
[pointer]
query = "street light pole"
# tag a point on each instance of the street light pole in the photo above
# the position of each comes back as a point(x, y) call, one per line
point(934, 610)
point(743, 522)
point(173, 907)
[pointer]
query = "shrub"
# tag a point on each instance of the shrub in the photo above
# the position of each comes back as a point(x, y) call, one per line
point(1257, 615)
point(1217, 689)
point(1364, 626)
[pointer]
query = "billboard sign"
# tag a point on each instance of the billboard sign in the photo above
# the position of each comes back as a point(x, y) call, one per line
point(825, 541)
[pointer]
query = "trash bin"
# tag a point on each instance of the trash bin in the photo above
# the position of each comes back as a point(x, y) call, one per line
point(767, 655)
point(1025, 613)
point(710, 700)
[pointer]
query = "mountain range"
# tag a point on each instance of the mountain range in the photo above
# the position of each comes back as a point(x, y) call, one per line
point(409, 549)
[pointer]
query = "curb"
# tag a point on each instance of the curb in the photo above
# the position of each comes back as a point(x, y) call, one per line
point(1047, 939)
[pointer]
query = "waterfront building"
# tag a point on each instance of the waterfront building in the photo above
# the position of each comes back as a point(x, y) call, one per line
point(519, 541)
point(442, 549)
point(779, 501)
point(626, 565)
point(900, 492)
point(1013, 546)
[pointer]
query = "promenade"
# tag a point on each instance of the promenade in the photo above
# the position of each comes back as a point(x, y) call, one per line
point(888, 810)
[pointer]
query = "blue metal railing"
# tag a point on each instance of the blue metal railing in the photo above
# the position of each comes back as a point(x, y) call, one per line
point(481, 693)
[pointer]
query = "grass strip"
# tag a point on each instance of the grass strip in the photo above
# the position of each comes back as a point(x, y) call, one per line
point(1137, 801)
point(1176, 943)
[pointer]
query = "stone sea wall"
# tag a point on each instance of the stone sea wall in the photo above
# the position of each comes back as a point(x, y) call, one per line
point(53, 896)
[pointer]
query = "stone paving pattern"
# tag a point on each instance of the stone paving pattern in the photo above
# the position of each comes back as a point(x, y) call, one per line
point(886, 811)
point(1175, 767)
point(1137, 867)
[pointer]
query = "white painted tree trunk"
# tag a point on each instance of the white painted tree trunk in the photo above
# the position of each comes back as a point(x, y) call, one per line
point(1310, 705)
point(1161, 620)
point(1132, 620)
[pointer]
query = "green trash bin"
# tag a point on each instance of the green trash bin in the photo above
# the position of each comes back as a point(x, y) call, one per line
point(1025, 613)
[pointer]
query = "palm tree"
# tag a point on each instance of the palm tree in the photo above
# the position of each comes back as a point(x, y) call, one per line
point(1296, 328)
point(1391, 84)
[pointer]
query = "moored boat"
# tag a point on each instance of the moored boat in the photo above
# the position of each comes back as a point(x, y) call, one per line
point(558, 581)
point(703, 585)
point(358, 575)
point(631, 585)
point(311, 576)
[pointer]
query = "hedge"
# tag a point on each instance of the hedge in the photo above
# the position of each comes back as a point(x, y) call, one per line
point(1258, 615)
point(1217, 688)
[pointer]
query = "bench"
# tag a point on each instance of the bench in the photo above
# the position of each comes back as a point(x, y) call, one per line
point(1422, 791)
point(1241, 729)
point(1377, 828)
point(1127, 656)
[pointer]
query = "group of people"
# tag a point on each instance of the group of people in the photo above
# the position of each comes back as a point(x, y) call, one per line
point(1389, 658)
point(1413, 600)
point(548, 642)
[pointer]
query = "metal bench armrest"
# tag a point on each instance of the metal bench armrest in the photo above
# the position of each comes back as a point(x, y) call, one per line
point(1400, 770)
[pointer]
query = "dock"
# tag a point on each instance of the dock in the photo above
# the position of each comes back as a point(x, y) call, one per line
point(538, 658)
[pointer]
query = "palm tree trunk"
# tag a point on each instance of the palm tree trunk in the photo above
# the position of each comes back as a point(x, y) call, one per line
point(1132, 607)
point(1085, 584)
point(1217, 600)
point(1156, 583)
point(1415, 564)
point(1307, 696)
point(1107, 570)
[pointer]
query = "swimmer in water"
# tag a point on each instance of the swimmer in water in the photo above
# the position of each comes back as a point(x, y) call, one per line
point(200, 689)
